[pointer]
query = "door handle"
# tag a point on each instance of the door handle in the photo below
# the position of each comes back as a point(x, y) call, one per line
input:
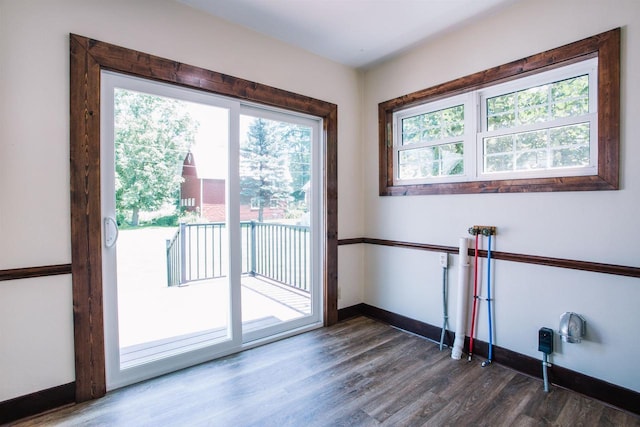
point(110, 232)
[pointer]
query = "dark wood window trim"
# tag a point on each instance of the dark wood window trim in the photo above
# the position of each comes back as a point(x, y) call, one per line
point(88, 58)
point(605, 46)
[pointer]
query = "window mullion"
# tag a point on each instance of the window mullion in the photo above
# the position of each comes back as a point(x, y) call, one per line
point(476, 122)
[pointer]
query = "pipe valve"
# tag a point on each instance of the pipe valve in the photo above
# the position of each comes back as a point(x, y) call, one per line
point(485, 230)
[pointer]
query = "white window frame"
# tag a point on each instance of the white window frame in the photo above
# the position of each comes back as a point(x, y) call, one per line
point(254, 203)
point(588, 67)
point(275, 203)
point(475, 122)
point(467, 138)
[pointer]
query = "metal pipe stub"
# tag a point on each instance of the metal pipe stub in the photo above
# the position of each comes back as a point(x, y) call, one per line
point(485, 230)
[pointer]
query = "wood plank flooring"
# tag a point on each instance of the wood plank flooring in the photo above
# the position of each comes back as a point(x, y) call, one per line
point(358, 373)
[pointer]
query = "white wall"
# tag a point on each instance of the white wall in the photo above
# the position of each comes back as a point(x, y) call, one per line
point(36, 331)
point(590, 226)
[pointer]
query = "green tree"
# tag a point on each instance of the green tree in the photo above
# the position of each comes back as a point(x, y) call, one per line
point(152, 136)
point(264, 173)
point(297, 139)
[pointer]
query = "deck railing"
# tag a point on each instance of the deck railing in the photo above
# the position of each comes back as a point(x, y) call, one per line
point(278, 252)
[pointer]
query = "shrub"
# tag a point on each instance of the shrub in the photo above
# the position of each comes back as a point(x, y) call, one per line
point(166, 221)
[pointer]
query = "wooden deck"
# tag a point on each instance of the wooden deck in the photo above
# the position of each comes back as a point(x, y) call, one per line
point(157, 321)
point(357, 373)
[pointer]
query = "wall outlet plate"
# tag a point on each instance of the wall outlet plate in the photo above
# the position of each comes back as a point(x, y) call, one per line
point(444, 260)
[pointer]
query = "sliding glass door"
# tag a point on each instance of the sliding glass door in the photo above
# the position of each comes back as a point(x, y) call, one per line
point(279, 212)
point(210, 226)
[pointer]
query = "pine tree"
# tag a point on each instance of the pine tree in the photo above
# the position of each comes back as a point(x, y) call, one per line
point(264, 172)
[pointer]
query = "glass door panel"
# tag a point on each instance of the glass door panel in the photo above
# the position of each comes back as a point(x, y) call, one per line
point(276, 215)
point(172, 274)
point(168, 289)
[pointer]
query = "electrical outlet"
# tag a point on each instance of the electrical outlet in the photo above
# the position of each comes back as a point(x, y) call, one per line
point(444, 260)
point(545, 340)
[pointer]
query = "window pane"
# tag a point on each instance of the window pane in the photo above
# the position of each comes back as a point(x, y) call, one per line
point(564, 146)
point(501, 104)
point(573, 108)
point(577, 87)
point(433, 126)
point(533, 115)
point(499, 163)
point(500, 144)
point(577, 156)
point(435, 161)
point(534, 96)
point(501, 111)
point(531, 160)
point(570, 97)
point(570, 135)
point(564, 98)
point(531, 140)
point(501, 121)
point(570, 145)
point(410, 130)
point(451, 158)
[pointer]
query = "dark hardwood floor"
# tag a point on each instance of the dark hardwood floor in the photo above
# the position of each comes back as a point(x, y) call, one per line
point(358, 373)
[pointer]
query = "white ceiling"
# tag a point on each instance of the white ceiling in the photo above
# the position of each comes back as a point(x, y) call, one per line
point(357, 33)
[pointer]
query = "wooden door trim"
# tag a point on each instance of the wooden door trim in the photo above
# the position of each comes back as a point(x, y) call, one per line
point(88, 58)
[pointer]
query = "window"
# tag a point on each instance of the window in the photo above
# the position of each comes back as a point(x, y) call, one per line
point(545, 125)
point(549, 122)
point(431, 141)
point(255, 203)
point(275, 203)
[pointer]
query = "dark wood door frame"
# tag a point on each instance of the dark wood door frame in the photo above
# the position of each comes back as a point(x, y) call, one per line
point(88, 58)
